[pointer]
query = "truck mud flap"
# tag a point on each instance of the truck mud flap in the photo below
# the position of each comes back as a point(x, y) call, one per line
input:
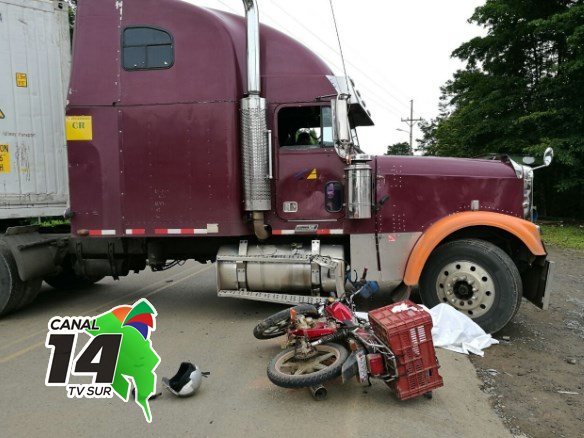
point(36, 255)
point(537, 282)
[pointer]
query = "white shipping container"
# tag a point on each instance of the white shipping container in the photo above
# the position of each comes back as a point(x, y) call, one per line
point(35, 63)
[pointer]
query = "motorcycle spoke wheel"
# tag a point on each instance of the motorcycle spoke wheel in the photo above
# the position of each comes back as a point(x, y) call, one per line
point(322, 360)
point(289, 371)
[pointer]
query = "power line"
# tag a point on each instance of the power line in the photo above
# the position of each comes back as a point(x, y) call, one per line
point(370, 96)
point(382, 87)
point(333, 49)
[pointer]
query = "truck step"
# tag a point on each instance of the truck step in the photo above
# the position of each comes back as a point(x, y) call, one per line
point(272, 297)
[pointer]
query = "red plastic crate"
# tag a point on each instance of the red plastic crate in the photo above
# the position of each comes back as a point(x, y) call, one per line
point(409, 335)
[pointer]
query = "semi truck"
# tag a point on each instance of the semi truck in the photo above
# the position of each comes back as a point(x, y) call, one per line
point(198, 134)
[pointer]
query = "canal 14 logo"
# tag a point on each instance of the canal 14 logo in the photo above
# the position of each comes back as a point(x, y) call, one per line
point(116, 354)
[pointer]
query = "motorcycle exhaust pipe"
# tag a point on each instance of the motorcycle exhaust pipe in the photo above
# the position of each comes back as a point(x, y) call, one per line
point(338, 336)
point(319, 393)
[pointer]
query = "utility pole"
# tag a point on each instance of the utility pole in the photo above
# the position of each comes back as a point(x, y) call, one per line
point(411, 122)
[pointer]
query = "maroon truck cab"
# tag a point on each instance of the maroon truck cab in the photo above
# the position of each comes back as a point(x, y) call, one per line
point(206, 136)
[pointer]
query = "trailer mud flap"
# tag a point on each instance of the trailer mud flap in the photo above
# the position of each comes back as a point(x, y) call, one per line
point(36, 255)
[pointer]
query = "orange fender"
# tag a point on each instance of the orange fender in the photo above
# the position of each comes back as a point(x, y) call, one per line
point(526, 231)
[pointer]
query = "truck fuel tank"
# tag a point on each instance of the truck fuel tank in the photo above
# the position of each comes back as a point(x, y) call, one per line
point(272, 272)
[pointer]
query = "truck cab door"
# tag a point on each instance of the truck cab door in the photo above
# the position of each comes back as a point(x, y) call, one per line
point(309, 173)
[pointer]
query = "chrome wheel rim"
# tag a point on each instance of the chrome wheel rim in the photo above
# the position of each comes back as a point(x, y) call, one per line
point(467, 286)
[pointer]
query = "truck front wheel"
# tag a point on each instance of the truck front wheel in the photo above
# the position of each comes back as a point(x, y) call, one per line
point(477, 278)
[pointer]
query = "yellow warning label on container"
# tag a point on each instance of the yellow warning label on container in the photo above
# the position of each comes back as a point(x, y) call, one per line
point(79, 128)
point(21, 80)
point(4, 158)
point(2, 116)
point(312, 175)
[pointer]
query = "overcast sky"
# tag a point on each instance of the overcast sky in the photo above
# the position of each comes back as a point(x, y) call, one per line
point(394, 50)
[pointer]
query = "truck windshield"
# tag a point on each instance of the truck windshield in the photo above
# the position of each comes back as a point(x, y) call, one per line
point(307, 127)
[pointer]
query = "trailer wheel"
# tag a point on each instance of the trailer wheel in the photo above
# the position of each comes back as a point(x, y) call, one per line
point(67, 279)
point(31, 292)
point(477, 278)
point(12, 288)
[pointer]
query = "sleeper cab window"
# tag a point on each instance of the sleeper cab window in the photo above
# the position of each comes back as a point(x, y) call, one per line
point(147, 48)
point(305, 127)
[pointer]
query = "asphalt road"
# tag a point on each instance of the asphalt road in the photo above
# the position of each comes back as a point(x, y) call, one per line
point(237, 399)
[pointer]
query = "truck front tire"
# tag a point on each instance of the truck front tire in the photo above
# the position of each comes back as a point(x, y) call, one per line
point(477, 278)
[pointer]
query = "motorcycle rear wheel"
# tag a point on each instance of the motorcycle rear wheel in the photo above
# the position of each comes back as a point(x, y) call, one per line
point(277, 324)
point(287, 371)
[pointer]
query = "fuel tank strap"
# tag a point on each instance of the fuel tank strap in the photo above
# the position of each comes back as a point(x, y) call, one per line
point(271, 297)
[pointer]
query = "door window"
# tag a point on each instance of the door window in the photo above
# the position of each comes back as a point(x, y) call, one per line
point(308, 127)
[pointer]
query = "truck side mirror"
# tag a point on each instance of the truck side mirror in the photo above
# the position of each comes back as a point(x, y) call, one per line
point(548, 157)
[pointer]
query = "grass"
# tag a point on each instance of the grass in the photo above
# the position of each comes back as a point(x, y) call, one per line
point(565, 236)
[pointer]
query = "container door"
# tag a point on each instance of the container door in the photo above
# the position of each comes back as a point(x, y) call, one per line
point(33, 67)
point(309, 178)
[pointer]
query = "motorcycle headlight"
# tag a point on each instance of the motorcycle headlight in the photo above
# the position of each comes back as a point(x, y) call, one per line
point(527, 192)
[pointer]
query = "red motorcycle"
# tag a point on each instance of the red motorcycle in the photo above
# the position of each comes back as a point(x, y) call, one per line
point(334, 340)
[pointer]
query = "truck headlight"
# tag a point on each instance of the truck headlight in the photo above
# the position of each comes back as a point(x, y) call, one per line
point(527, 192)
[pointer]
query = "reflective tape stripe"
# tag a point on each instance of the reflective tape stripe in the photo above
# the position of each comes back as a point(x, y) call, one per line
point(203, 231)
point(282, 232)
point(102, 232)
point(180, 231)
point(135, 231)
point(318, 232)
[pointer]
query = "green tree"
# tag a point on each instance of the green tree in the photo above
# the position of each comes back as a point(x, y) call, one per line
point(522, 90)
point(402, 148)
point(72, 5)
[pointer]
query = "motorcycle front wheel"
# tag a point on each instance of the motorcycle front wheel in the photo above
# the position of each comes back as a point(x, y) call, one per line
point(288, 371)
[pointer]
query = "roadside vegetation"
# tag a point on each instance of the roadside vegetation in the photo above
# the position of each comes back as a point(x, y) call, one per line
point(562, 235)
point(521, 90)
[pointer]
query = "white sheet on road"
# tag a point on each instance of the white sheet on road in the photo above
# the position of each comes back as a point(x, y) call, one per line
point(455, 331)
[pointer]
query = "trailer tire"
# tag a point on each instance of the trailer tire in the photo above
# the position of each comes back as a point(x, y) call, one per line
point(31, 292)
point(12, 288)
point(477, 278)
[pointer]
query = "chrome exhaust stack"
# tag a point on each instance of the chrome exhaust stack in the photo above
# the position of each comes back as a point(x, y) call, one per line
point(255, 146)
